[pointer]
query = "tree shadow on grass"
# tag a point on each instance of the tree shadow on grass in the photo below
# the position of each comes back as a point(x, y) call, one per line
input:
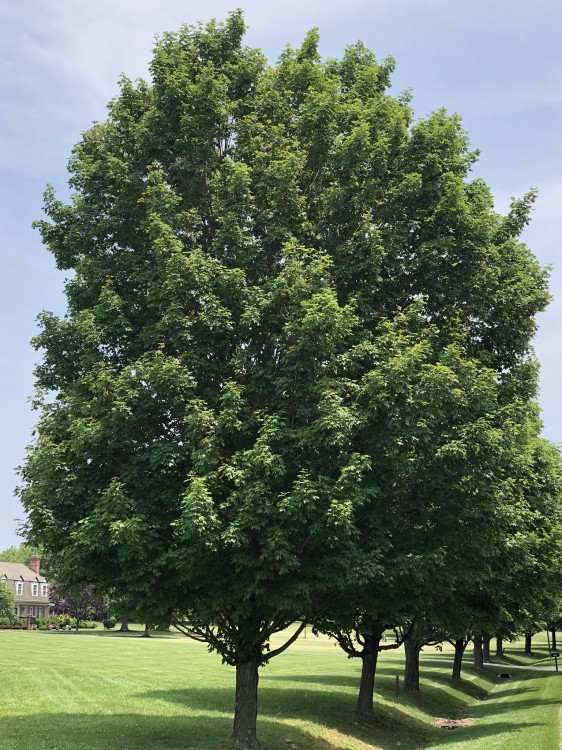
point(476, 732)
point(131, 633)
point(540, 661)
point(508, 729)
point(439, 694)
point(512, 691)
point(336, 680)
point(499, 707)
point(282, 713)
point(75, 731)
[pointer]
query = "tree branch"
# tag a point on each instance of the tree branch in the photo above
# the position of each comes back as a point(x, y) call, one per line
point(292, 639)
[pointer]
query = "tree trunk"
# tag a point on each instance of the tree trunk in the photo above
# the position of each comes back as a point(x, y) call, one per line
point(553, 634)
point(478, 655)
point(369, 656)
point(412, 648)
point(528, 637)
point(499, 646)
point(246, 708)
point(460, 645)
point(124, 624)
point(146, 633)
point(486, 647)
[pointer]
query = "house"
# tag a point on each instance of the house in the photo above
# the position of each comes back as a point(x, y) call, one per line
point(29, 586)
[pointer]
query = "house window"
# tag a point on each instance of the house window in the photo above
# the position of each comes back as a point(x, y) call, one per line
point(44, 589)
point(34, 589)
point(31, 611)
point(19, 588)
point(40, 611)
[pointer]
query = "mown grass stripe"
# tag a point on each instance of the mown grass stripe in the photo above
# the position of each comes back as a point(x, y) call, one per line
point(126, 693)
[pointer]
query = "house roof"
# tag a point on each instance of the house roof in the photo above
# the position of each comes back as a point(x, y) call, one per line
point(18, 572)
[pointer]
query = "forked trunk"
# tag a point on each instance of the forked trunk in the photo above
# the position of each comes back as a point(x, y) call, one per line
point(486, 647)
point(369, 657)
point(412, 648)
point(528, 639)
point(499, 646)
point(478, 654)
point(246, 708)
point(460, 645)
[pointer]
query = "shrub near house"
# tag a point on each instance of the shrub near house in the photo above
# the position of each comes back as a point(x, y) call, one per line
point(64, 622)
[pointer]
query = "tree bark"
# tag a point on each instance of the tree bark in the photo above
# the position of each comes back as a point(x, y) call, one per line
point(246, 708)
point(460, 645)
point(528, 637)
point(478, 654)
point(124, 624)
point(499, 646)
point(146, 633)
point(553, 634)
point(486, 638)
point(412, 648)
point(369, 657)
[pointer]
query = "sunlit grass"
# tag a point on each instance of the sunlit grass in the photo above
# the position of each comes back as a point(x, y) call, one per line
point(118, 691)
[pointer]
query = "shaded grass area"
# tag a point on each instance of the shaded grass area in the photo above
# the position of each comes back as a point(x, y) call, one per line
point(77, 692)
point(515, 653)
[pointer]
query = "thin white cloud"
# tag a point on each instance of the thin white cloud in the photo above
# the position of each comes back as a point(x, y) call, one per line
point(61, 61)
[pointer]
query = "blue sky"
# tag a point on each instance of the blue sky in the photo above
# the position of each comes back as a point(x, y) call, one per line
point(499, 65)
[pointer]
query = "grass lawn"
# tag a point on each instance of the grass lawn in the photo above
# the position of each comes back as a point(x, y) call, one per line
point(96, 690)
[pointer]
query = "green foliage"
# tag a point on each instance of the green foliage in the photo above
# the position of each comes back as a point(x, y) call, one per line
point(16, 554)
point(296, 361)
point(65, 621)
point(46, 623)
point(7, 601)
point(528, 589)
point(10, 619)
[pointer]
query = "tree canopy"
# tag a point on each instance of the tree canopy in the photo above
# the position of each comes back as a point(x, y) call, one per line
point(19, 554)
point(296, 357)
